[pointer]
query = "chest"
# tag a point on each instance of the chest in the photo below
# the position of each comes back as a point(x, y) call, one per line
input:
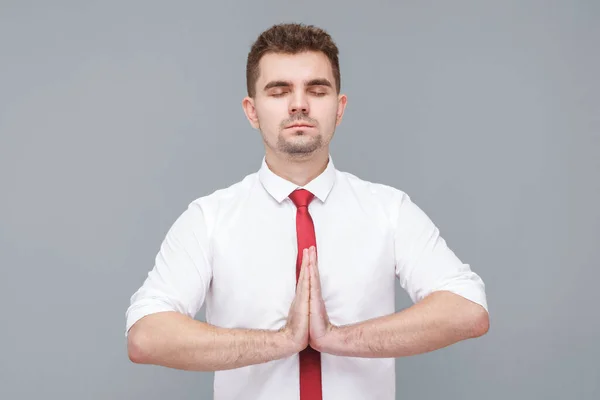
point(254, 269)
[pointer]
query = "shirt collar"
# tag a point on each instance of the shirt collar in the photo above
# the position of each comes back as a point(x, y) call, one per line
point(280, 188)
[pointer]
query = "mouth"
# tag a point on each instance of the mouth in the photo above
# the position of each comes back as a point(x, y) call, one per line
point(299, 126)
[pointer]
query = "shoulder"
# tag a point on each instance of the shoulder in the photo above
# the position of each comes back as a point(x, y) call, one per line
point(384, 194)
point(208, 208)
point(383, 201)
point(225, 195)
point(393, 203)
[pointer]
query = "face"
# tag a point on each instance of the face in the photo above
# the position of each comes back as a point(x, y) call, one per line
point(296, 106)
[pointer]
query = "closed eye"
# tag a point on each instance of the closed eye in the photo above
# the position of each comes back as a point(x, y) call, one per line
point(279, 93)
point(318, 89)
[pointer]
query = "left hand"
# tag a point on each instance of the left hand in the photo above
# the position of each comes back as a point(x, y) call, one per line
point(319, 326)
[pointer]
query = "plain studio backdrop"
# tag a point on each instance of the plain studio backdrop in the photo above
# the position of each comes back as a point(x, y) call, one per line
point(114, 115)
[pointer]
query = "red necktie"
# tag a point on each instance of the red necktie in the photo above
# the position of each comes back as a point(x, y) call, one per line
point(310, 359)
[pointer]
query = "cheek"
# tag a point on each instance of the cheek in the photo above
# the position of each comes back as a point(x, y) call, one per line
point(329, 114)
point(265, 120)
point(271, 113)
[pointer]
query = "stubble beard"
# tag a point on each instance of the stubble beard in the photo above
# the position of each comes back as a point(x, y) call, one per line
point(300, 144)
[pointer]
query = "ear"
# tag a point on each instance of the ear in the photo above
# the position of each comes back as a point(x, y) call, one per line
point(250, 111)
point(342, 100)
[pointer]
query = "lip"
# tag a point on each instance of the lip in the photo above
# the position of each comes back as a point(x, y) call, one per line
point(300, 126)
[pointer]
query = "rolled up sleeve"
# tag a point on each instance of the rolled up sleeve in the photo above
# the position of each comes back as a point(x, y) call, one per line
point(181, 274)
point(424, 262)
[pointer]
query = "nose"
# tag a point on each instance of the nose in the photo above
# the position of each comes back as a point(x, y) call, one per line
point(299, 103)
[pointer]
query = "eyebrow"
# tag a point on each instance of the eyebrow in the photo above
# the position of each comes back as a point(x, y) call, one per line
point(319, 82)
point(273, 84)
point(312, 82)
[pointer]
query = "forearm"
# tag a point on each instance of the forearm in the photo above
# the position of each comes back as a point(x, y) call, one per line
point(174, 340)
point(437, 321)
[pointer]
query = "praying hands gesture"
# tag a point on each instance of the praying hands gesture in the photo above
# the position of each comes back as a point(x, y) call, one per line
point(308, 323)
point(440, 319)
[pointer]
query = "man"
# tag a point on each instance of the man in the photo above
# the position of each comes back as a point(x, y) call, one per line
point(282, 322)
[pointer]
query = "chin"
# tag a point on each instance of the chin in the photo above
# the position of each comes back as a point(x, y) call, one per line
point(302, 132)
point(300, 148)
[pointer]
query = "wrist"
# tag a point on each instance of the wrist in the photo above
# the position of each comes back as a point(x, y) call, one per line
point(329, 342)
point(286, 343)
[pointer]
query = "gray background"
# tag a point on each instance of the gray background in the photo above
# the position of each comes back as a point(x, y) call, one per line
point(115, 115)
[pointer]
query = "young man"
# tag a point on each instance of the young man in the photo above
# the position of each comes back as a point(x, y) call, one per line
point(283, 323)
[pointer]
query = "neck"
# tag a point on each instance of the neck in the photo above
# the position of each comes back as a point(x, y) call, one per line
point(298, 169)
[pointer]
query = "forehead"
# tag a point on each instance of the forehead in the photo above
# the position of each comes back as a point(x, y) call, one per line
point(294, 67)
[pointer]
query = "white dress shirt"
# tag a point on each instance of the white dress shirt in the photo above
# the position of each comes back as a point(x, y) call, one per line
point(236, 249)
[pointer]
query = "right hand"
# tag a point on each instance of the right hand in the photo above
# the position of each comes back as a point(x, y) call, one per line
point(296, 327)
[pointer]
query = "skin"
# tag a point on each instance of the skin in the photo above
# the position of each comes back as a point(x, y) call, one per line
point(299, 90)
point(296, 89)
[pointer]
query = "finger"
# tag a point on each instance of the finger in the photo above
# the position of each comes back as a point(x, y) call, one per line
point(314, 274)
point(313, 260)
point(302, 272)
point(304, 280)
point(313, 278)
point(306, 263)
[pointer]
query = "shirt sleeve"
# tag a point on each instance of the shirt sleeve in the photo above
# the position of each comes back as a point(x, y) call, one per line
point(181, 274)
point(424, 262)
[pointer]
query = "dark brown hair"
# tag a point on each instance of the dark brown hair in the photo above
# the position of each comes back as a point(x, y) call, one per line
point(290, 39)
